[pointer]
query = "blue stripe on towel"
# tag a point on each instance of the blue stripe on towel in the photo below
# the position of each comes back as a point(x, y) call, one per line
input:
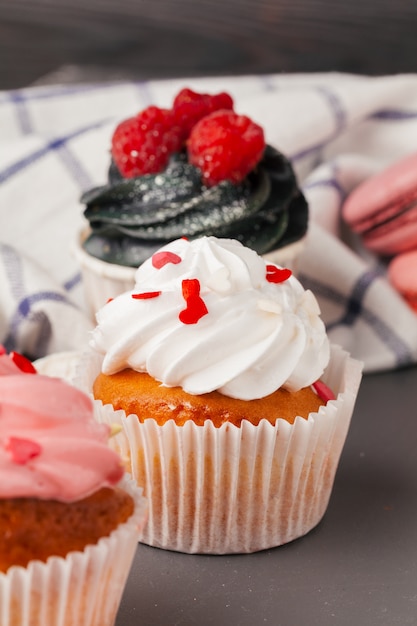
point(72, 282)
point(394, 115)
point(25, 305)
point(305, 152)
point(336, 107)
point(354, 309)
point(57, 92)
point(75, 167)
point(145, 93)
point(14, 270)
point(267, 82)
point(338, 113)
point(53, 145)
point(354, 303)
point(21, 110)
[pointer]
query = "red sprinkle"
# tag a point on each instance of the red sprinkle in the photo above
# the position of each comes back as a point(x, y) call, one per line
point(190, 288)
point(22, 450)
point(196, 307)
point(323, 391)
point(159, 259)
point(276, 275)
point(146, 295)
point(22, 363)
point(2, 350)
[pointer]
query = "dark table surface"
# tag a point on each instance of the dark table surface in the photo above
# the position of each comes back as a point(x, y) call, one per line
point(357, 568)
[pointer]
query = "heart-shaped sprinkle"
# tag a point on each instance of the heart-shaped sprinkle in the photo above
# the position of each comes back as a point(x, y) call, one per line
point(22, 363)
point(22, 450)
point(159, 259)
point(323, 391)
point(190, 288)
point(2, 350)
point(146, 295)
point(196, 307)
point(270, 306)
point(275, 274)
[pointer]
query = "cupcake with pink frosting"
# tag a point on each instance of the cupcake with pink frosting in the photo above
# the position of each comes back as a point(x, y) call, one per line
point(69, 519)
point(233, 404)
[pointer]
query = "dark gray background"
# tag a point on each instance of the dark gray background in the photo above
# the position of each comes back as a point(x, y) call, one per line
point(357, 568)
point(107, 39)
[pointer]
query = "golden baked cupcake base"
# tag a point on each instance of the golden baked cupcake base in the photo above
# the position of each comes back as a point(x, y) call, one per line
point(31, 528)
point(139, 393)
point(82, 588)
point(235, 489)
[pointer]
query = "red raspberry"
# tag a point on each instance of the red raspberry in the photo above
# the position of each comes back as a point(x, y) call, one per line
point(225, 146)
point(189, 107)
point(143, 144)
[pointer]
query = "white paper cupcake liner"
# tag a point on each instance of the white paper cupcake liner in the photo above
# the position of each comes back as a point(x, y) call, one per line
point(82, 589)
point(229, 489)
point(101, 280)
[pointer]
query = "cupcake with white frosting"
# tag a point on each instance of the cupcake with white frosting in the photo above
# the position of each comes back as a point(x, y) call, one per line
point(234, 407)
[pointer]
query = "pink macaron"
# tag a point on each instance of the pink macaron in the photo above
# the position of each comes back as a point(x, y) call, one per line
point(383, 209)
point(402, 274)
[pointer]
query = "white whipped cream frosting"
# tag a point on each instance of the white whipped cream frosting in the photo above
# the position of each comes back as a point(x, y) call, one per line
point(256, 336)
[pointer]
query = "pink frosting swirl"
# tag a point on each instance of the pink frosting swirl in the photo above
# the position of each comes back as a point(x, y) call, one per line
point(50, 445)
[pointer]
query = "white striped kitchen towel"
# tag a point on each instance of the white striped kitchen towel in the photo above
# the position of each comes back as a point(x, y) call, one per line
point(337, 129)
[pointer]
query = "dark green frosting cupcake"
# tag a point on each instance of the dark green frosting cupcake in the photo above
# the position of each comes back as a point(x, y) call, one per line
point(131, 218)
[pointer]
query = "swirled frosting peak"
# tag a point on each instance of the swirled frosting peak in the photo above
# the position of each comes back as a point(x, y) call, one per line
point(50, 445)
point(211, 314)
